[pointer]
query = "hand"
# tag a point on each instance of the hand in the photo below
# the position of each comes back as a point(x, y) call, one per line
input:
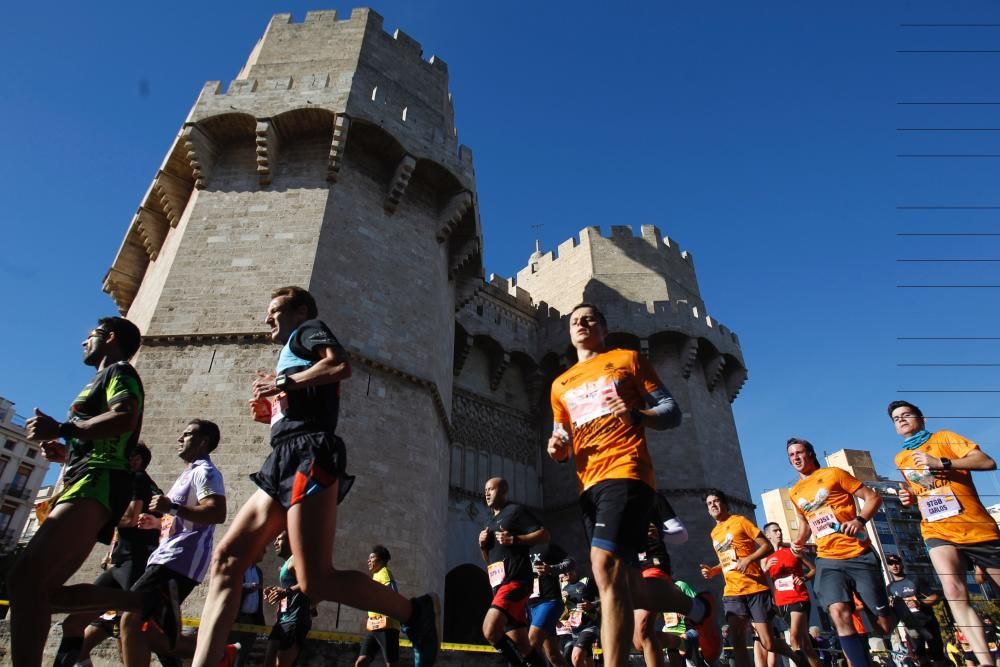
point(742, 564)
point(542, 569)
point(906, 497)
point(798, 581)
point(41, 427)
point(54, 451)
point(274, 594)
point(923, 459)
point(161, 504)
point(263, 386)
point(707, 571)
point(770, 562)
point(797, 547)
point(620, 410)
point(485, 538)
point(852, 527)
point(652, 533)
point(558, 448)
point(148, 522)
point(260, 410)
point(505, 538)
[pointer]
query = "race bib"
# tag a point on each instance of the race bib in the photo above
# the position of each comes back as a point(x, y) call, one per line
point(166, 526)
point(535, 592)
point(671, 619)
point(283, 604)
point(496, 572)
point(590, 401)
point(728, 559)
point(376, 623)
point(563, 628)
point(939, 504)
point(279, 404)
point(823, 522)
point(785, 583)
point(575, 618)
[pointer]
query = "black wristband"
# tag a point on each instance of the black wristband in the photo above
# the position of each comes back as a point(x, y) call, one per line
point(636, 416)
point(945, 463)
point(65, 430)
point(860, 519)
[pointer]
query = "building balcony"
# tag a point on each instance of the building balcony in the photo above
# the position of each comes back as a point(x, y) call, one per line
point(19, 491)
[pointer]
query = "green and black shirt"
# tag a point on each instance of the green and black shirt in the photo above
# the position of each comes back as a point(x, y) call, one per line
point(112, 384)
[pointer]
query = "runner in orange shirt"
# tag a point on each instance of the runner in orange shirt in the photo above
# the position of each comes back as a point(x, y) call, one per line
point(747, 597)
point(958, 530)
point(601, 407)
point(845, 563)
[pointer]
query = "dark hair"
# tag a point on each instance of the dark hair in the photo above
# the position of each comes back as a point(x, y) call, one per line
point(768, 525)
point(810, 450)
point(905, 404)
point(142, 451)
point(209, 430)
point(718, 494)
point(381, 553)
point(298, 297)
point(597, 312)
point(126, 334)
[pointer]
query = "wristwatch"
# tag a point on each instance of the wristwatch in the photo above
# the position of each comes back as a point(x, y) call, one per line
point(945, 463)
point(636, 416)
point(860, 519)
point(174, 507)
point(281, 382)
point(66, 430)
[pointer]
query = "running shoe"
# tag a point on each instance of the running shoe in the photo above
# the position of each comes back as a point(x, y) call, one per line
point(424, 629)
point(709, 637)
point(229, 656)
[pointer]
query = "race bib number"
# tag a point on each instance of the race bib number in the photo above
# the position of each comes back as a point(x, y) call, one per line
point(496, 572)
point(535, 592)
point(166, 526)
point(728, 559)
point(279, 405)
point(671, 619)
point(376, 623)
point(939, 504)
point(575, 618)
point(590, 401)
point(563, 628)
point(785, 583)
point(823, 522)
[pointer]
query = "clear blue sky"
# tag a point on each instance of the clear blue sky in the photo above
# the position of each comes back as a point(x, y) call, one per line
point(764, 142)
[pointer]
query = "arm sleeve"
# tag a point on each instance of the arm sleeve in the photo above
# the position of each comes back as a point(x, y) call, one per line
point(526, 522)
point(849, 482)
point(672, 529)
point(667, 414)
point(208, 482)
point(314, 334)
point(121, 384)
point(751, 528)
point(560, 415)
point(956, 445)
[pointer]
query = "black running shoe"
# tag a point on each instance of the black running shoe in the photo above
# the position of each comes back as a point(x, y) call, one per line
point(424, 629)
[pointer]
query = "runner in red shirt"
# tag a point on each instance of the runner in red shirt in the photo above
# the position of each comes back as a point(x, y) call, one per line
point(789, 574)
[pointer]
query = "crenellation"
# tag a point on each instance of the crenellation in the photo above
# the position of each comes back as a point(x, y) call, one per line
point(407, 43)
point(241, 86)
point(318, 16)
point(621, 232)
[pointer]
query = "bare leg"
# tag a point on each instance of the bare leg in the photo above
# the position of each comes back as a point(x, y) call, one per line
point(552, 652)
point(257, 523)
point(799, 634)
point(135, 647)
point(612, 578)
point(738, 626)
point(645, 638)
point(55, 552)
point(656, 595)
point(950, 570)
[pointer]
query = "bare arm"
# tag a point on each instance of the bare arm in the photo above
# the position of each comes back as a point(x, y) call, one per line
point(122, 417)
point(809, 567)
point(210, 509)
point(130, 519)
point(332, 367)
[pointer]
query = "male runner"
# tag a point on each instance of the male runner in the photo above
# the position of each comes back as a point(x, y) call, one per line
point(383, 632)
point(295, 611)
point(584, 608)
point(654, 563)
point(300, 485)
point(601, 407)
point(914, 601)
point(747, 597)
point(845, 563)
point(789, 573)
point(102, 428)
point(127, 561)
point(958, 530)
point(511, 530)
point(545, 605)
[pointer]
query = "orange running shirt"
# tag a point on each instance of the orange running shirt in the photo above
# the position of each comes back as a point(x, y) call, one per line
point(733, 539)
point(826, 500)
point(605, 447)
point(949, 504)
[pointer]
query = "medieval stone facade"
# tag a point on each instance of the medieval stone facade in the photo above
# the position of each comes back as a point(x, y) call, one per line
point(332, 162)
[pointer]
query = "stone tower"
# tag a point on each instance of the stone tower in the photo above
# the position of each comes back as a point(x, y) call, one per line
point(330, 162)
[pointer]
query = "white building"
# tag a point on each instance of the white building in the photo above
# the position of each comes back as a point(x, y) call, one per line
point(22, 469)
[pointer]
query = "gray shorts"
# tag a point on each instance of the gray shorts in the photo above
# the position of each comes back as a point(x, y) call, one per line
point(755, 606)
point(983, 554)
point(837, 579)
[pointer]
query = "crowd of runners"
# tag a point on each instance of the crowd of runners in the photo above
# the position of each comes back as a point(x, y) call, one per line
point(546, 607)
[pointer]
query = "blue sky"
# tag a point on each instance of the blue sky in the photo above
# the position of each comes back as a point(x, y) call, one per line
point(764, 142)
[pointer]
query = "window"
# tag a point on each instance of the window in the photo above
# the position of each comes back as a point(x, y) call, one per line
point(6, 515)
point(9, 445)
point(32, 453)
point(3, 464)
point(20, 480)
